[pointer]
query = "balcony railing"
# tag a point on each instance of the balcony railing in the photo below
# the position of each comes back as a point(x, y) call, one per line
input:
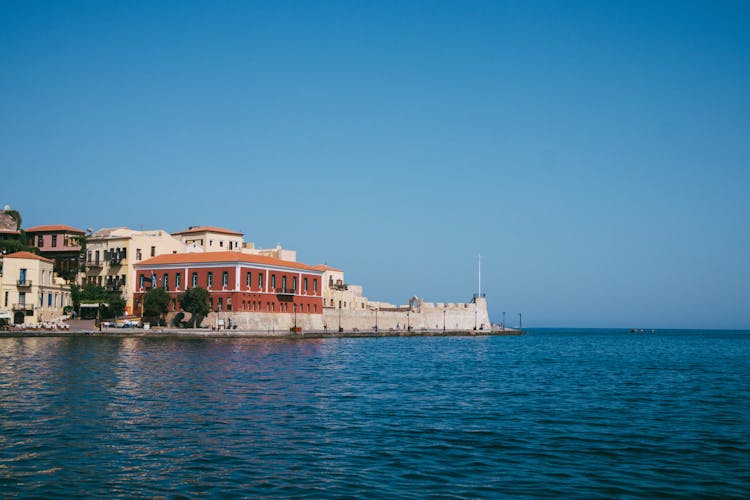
point(23, 307)
point(285, 291)
point(23, 283)
point(338, 286)
point(93, 263)
point(115, 261)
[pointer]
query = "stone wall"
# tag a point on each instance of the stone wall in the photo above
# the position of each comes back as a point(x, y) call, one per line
point(261, 321)
point(417, 315)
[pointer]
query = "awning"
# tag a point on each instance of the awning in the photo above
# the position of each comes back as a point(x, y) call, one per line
point(5, 315)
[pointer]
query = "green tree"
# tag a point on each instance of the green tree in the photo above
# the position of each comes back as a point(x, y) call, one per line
point(88, 294)
point(195, 301)
point(155, 303)
point(116, 305)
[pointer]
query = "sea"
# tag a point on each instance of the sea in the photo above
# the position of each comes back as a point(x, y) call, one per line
point(552, 413)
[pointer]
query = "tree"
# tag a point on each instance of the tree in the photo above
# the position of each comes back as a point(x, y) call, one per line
point(116, 304)
point(195, 301)
point(88, 294)
point(155, 303)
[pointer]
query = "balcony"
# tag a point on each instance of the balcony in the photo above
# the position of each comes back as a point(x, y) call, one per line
point(115, 261)
point(94, 264)
point(285, 291)
point(338, 286)
point(23, 283)
point(23, 307)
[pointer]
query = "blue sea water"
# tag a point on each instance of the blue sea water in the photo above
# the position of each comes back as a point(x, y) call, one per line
point(554, 413)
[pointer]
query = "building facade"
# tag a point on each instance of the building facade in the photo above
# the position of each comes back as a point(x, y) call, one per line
point(252, 292)
point(61, 244)
point(210, 239)
point(30, 291)
point(111, 255)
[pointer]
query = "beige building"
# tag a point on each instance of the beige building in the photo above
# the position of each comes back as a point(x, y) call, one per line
point(30, 291)
point(219, 239)
point(112, 252)
point(210, 239)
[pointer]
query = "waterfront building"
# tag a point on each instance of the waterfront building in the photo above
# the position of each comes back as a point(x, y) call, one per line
point(210, 239)
point(249, 291)
point(112, 253)
point(30, 291)
point(218, 239)
point(59, 243)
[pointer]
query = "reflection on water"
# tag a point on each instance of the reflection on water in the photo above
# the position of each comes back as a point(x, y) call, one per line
point(551, 413)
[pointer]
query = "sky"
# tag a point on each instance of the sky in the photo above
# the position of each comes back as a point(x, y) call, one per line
point(594, 153)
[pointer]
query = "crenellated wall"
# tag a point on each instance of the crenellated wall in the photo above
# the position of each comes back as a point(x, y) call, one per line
point(417, 315)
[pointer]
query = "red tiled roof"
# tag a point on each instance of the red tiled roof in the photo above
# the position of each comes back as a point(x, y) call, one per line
point(210, 257)
point(209, 229)
point(58, 227)
point(27, 255)
point(323, 267)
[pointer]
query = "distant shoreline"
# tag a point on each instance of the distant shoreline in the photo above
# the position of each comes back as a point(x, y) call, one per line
point(208, 334)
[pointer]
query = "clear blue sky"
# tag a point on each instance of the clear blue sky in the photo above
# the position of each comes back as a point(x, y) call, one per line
point(595, 153)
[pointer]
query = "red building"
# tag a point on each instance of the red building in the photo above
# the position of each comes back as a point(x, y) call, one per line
point(236, 282)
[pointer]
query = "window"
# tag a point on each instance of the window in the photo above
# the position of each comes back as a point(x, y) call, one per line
point(249, 279)
point(260, 281)
point(210, 279)
point(225, 279)
point(315, 285)
point(283, 283)
point(138, 255)
point(166, 281)
point(221, 244)
point(22, 298)
point(273, 281)
point(153, 280)
point(124, 253)
point(40, 241)
point(6, 299)
point(141, 279)
point(294, 284)
point(195, 280)
point(177, 281)
point(105, 255)
point(49, 298)
point(88, 256)
point(304, 284)
point(54, 240)
point(153, 251)
point(96, 257)
point(220, 303)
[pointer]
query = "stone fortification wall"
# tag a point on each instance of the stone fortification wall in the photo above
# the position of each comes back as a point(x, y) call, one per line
point(417, 316)
point(262, 321)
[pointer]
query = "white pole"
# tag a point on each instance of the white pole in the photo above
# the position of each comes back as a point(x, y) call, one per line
point(479, 294)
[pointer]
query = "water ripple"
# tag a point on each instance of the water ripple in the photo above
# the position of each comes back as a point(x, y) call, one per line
point(550, 414)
